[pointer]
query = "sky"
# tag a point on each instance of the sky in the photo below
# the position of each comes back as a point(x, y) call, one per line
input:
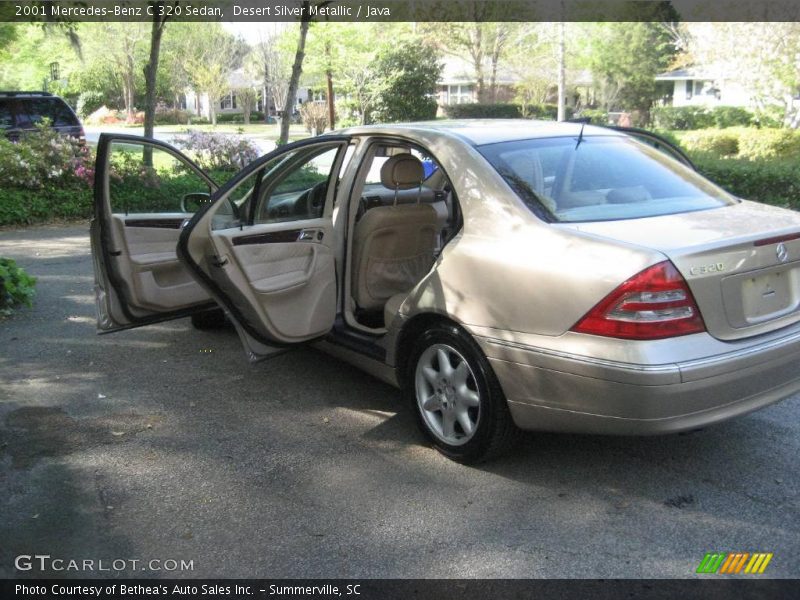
point(252, 32)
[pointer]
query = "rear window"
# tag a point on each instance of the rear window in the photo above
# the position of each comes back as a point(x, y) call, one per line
point(33, 110)
point(602, 178)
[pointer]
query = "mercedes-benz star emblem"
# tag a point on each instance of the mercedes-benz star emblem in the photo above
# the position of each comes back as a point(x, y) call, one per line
point(782, 252)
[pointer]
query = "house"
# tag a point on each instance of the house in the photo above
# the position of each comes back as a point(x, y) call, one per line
point(198, 103)
point(457, 84)
point(700, 87)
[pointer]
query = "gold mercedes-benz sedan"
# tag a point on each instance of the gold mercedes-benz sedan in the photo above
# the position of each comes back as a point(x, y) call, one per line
point(506, 274)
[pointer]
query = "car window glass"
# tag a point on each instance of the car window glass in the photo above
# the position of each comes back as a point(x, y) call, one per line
point(53, 109)
point(601, 178)
point(148, 179)
point(299, 190)
point(6, 116)
point(374, 174)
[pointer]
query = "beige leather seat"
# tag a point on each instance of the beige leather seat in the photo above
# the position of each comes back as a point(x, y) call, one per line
point(393, 247)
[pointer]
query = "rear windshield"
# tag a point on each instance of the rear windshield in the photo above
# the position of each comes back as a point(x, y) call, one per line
point(602, 178)
point(31, 111)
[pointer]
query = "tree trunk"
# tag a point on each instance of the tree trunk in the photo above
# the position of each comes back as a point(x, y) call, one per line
point(331, 101)
point(294, 80)
point(150, 71)
point(562, 109)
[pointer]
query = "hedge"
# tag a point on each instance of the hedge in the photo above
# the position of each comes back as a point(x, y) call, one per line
point(743, 142)
point(25, 206)
point(770, 182)
point(684, 118)
point(482, 111)
point(547, 112)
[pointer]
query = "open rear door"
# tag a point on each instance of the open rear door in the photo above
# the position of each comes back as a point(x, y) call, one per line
point(264, 247)
point(144, 193)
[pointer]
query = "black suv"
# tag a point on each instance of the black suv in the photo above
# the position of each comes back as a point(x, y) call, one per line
point(22, 111)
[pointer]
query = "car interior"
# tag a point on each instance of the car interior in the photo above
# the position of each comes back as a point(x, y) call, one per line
point(405, 214)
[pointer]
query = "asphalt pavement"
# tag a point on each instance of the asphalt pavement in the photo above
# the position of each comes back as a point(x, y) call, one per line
point(164, 444)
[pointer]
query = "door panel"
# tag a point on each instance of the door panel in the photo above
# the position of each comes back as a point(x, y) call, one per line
point(140, 190)
point(290, 284)
point(274, 273)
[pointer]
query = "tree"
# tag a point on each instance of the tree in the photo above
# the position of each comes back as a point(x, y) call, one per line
point(123, 45)
point(151, 68)
point(406, 78)
point(763, 58)
point(294, 78)
point(215, 55)
point(247, 98)
point(268, 61)
point(624, 59)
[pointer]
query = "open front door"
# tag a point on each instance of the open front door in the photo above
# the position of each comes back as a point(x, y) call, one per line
point(145, 192)
point(264, 247)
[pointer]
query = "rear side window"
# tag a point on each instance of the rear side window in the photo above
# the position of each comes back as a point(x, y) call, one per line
point(6, 116)
point(33, 110)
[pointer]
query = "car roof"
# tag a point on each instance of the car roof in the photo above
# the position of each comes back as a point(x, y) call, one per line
point(485, 131)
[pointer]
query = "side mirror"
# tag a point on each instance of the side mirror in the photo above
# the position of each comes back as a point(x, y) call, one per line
point(190, 203)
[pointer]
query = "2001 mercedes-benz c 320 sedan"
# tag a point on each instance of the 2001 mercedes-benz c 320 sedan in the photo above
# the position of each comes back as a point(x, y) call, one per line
point(506, 274)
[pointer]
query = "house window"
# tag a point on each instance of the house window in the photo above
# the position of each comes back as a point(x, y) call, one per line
point(228, 102)
point(459, 94)
point(689, 87)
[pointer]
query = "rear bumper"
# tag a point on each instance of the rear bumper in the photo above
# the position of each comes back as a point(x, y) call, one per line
point(556, 391)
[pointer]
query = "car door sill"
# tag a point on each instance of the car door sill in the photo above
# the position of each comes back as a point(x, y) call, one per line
point(363, 343)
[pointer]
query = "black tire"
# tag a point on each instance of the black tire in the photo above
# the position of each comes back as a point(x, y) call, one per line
point(210, 319)
point(494, 431)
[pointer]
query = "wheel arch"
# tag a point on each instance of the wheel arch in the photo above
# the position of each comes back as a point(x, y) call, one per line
point(410, 332)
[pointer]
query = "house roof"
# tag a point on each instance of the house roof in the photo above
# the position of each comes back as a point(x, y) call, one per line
point(686, 73)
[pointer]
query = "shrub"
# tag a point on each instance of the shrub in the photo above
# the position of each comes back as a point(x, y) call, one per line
point(769, 116)
point(404, 79)
point(314, 116)
point(712, 141)
point(771, 182)
point(88, 102)
point(215, 151)
point(482, 111)
point(44, 158)
point(756, 144)
point(25, 207)
point(547, 112)
point(731, 116)
point(681, 117)
point(172, 117)
point(16, 287)
point(596, 116)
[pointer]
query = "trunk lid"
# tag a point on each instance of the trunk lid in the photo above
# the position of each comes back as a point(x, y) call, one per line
point(741, 262)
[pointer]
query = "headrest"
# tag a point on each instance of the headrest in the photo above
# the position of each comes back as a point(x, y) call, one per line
point(402, 172)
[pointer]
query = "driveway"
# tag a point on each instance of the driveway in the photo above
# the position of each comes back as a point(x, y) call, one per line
point(163, 443)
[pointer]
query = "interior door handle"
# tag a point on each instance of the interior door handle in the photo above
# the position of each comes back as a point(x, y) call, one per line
point(308, 235)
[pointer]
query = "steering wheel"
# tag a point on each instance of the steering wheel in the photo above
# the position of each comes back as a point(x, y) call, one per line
point(312, 202)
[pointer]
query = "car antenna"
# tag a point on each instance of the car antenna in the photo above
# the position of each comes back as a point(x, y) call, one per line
point(580, 135)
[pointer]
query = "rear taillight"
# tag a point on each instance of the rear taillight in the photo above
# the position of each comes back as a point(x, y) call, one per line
point(654, 304)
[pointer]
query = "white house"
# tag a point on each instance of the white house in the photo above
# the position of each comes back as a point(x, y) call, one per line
point(700, 87)
point(198, 103)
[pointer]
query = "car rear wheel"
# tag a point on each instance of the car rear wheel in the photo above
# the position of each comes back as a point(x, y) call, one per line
point(457, 399)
